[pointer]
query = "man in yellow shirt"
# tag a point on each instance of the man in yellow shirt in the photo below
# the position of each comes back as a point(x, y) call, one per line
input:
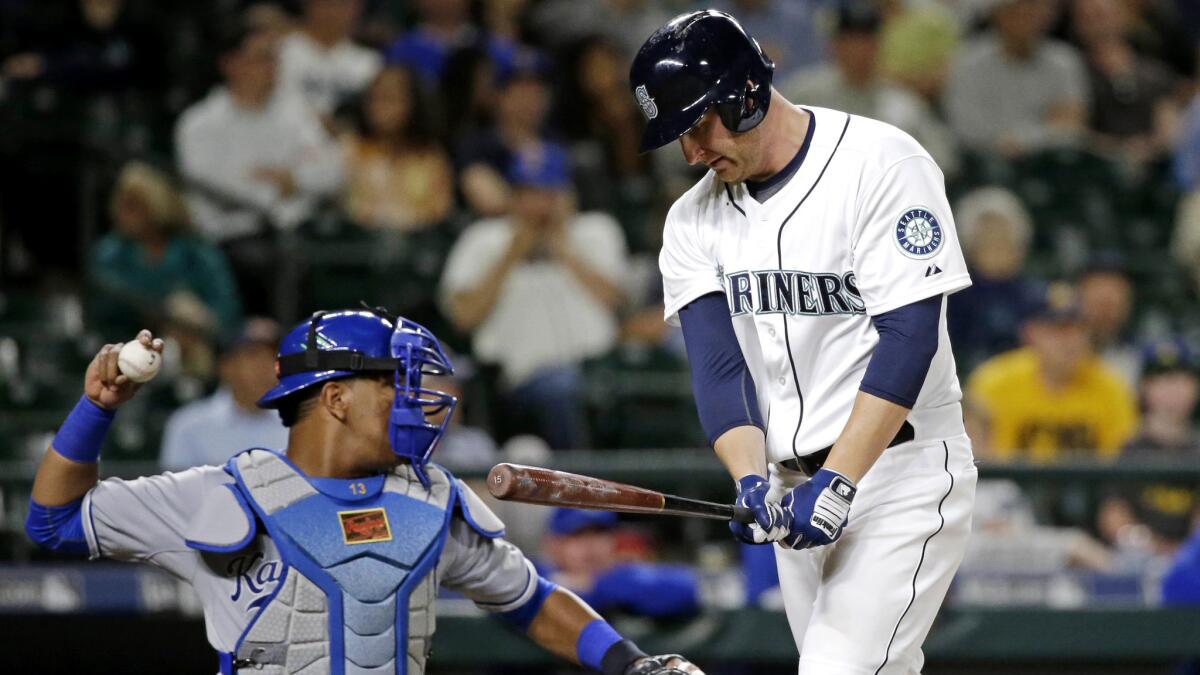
point(1052, 398)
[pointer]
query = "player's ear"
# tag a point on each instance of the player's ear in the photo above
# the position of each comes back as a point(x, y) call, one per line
point(336, 398)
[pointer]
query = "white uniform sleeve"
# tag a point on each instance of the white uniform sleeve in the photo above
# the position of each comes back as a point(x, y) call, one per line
point(492, 572)
point(145, 519)
point(687, 271)
point(904, 245)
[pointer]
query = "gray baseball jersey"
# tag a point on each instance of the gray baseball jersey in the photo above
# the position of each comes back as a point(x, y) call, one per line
point(147, 520)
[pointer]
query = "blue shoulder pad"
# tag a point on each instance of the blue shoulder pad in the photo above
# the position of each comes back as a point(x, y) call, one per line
point(225, 523)
point(477, 514)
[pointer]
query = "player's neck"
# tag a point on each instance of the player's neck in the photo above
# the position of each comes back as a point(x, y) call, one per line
point(786, 126)
point(321, 452)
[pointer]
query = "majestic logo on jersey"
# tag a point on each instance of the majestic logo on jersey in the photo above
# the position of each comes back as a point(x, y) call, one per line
point(793, 292)
point(649, 107)
point(918, 233)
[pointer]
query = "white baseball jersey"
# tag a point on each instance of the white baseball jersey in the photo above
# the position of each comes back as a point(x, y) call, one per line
point(861, 228)
point(147, 520)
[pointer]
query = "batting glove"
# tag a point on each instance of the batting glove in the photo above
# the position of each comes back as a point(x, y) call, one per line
point(771, 520)
point(819, 510)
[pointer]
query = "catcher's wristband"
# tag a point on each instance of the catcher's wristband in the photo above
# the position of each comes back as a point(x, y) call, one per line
point(601, 648)
point(617, 659)
point(81, 435)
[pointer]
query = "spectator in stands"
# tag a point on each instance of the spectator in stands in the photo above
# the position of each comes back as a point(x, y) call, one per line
point(852, 82)
point(98, 47)
point(398, 175)
point(1170, 389)
point(320, 63)
point(1133, 111)
point(445, 25)
point(559, 23)
point(484, 157)
point(253, 160)
point(538, 290)
point(995, 230)
point(791, 33)
point(469, 92)
point(582, 552)
point(1014, 91)
point(1105, 302)
point(211, 430)
point(150, 271)
point(78, 80)
point(601, 121)
point(1187, 149)
point(1053, 398)
point(917, 47)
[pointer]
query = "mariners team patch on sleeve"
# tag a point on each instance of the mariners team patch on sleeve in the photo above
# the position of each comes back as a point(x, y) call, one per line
point(918, 233)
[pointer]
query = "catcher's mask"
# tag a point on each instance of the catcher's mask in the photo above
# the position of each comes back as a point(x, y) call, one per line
point(345, 343)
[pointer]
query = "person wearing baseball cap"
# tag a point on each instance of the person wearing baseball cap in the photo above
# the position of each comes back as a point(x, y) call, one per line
point(584, 552)
point(571, 263)
point(1170, 389)
point(212, 429)
point(1052, 397)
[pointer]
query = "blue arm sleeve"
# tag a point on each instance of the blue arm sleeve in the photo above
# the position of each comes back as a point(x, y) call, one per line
point(908, 339)
point(656, 591)
point(521, 617)
point(57, 528)
point(721, 381)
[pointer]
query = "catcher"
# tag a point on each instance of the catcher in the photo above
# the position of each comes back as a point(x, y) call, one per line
point(324, 558)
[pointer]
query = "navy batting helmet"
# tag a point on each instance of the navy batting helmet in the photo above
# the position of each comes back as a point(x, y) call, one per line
point(697, 61)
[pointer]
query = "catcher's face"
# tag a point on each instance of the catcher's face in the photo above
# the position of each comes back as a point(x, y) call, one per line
point(367, 417)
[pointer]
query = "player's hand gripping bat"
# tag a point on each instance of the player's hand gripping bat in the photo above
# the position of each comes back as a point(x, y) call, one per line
point(533, 485)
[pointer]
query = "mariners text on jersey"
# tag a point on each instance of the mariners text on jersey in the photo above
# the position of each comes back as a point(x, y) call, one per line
point(793, 292)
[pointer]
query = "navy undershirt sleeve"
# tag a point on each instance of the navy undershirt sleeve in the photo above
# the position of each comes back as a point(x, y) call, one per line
point(721, 380)
point(908, 339)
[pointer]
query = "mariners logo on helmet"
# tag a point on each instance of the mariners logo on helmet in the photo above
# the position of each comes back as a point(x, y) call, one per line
point(649, 109)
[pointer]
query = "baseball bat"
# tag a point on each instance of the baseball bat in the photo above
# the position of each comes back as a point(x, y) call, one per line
point(534, 485)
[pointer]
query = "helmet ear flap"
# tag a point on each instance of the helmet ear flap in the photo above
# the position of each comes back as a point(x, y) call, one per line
point(746, 109)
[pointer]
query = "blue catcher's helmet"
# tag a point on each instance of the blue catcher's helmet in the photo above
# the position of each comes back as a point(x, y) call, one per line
point(697, 61)
point(332, 345)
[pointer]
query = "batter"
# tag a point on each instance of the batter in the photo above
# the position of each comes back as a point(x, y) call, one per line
point(809, 269)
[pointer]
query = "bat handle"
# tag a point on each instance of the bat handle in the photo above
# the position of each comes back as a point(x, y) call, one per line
point(742, 514)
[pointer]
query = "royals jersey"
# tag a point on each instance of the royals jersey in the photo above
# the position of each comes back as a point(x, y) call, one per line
point(151, 520)
point(861, 228)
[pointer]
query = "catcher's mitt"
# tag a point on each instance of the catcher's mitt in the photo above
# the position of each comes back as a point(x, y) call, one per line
point(658, 665)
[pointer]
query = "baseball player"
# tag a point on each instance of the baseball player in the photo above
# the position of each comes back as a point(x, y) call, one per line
point(326, 558)
point(809, 269)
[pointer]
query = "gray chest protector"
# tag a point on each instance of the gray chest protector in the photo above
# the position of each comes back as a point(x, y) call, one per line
point(359, 585)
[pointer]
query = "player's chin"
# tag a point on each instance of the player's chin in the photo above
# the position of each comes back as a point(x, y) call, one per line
point(727, 171)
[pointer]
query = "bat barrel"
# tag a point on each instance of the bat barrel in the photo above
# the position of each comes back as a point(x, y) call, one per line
point(534, 485)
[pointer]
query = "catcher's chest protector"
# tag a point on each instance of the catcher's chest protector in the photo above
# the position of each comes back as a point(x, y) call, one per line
point(359, 583)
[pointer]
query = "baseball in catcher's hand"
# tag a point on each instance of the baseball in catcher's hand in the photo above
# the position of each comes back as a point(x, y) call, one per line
point(104, 382)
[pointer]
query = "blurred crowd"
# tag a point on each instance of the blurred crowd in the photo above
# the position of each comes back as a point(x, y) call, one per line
point(214, 170)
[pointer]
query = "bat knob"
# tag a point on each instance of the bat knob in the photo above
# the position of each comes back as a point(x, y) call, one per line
point(500, 480)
